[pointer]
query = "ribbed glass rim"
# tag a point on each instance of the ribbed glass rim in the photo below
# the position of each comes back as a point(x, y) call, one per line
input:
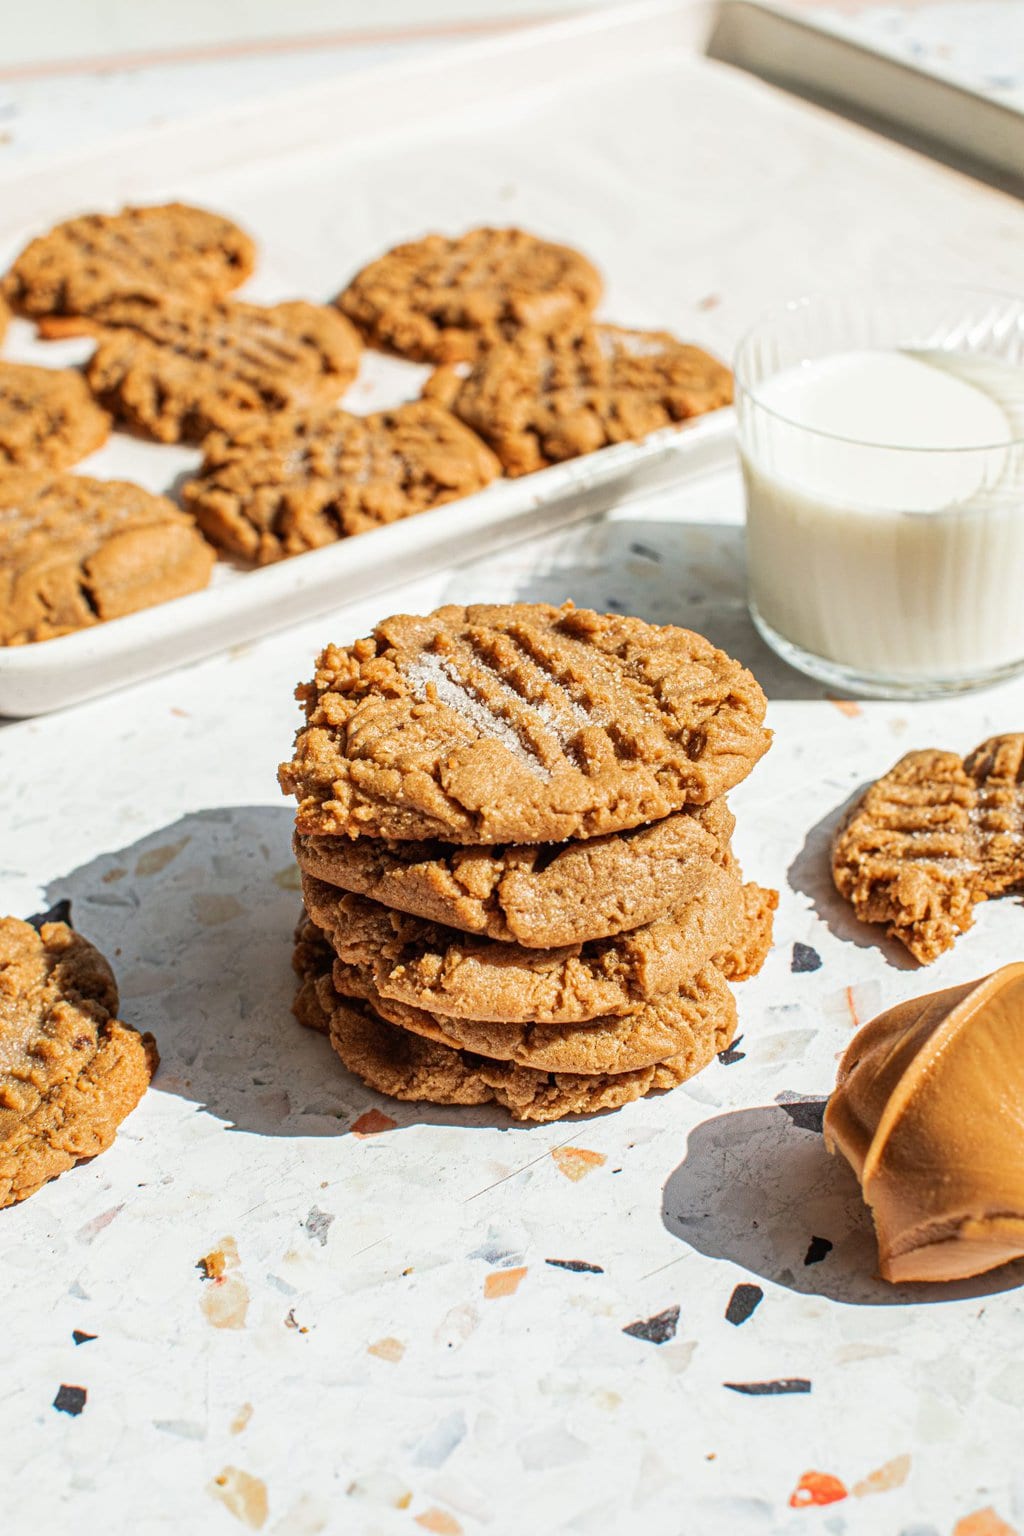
point(872, 294)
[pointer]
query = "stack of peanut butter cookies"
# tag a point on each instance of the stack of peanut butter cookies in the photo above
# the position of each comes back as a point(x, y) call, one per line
point(515, 854)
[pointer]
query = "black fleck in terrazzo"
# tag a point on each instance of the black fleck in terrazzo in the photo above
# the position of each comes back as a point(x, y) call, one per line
point(70, 1400)
point(578, 1266)
point(806, 1113)
point(82, 1338)
point(818, 1249)
point(732, 1053)
point(743, 1303)
point(805, 959)
point(657, 1329)
point(60, 912)
point(782, 1386)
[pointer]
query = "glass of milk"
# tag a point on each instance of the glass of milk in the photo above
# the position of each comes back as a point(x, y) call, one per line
point(882, 442)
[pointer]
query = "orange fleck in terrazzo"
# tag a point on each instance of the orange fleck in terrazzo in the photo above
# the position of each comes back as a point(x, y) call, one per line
point(983, 1522)
point(577, 1162)
point(817, 1488)
point(225, 1298)
point(503, 1282)
point(892, 1475)
point(387, 1349)
point(372, 1123)
point(440, 1522)
point(243, 1495)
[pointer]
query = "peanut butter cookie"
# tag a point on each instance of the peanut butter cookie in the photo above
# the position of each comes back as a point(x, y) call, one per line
point(444, 300)
point(519, 723)
point(688, 1021)
point(538, 400)
point(48, 419)
point(540, 896)
point(284, 484)
point(70, 1071)
point(933, 837)
point(446, 972)
point(149, 253)
point(408, 1066)
point(75, 551)
point(175, 371)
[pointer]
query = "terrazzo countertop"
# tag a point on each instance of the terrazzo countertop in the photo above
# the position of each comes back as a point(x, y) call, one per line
point(663, 1319)
point(282, 1303)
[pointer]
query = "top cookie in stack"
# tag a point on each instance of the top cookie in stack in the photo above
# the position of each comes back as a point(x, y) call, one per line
point(515, 852)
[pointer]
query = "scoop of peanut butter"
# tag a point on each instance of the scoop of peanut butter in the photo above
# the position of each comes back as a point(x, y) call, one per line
point(928, 1110)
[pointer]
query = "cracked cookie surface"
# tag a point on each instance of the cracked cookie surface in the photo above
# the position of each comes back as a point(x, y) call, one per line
point(540, 400)
point(70, 1071)
point(538, 895)
point(176, 372)
point(931, 839)
point(75, 552)
point(427, 966)
point(444, 299)
point(48, 418)
point(404, 1065)
point(519, 723)
point(150, 252)
point(282, 485)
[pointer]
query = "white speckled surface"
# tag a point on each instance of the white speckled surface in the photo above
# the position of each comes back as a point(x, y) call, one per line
point(156, 814)
point(400, 1355)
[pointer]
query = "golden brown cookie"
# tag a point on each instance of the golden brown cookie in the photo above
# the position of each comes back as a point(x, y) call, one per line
point(519, 723)
point(283, 484)
point(688, 1021)
point(176, 371)
point(5, 316)
point(932, 838)
point(48, 418)
point(539, 400)
point(538, 895)
point(70, 1071)
point(751, 939)
point(407, 1066)
point(445, 300)
point(447, 972)
point(75, 552)
point(152, 253)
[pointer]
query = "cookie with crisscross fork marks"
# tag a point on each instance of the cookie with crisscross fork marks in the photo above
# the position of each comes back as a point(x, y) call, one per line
point(409, 1065)
point(70, 1071)
point(48, 419)
point(175, 371)
point(444, 299)
point(537, 895)
point(154, 252)
point(284, 484)
point(541, 399)
point(933, 837)
point(519, 723)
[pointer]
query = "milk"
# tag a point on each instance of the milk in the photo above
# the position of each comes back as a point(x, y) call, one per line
point(885, 532)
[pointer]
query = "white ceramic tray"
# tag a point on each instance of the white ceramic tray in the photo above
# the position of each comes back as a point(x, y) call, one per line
point(684, 178)
point(925, 102)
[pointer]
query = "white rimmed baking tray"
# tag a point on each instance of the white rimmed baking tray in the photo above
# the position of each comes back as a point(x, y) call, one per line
point(705, 196)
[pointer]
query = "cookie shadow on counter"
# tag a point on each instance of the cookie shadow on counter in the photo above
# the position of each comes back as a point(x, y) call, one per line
point(810, 873)
point(759, 1190)
point(687, 573)
point(197, 920)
